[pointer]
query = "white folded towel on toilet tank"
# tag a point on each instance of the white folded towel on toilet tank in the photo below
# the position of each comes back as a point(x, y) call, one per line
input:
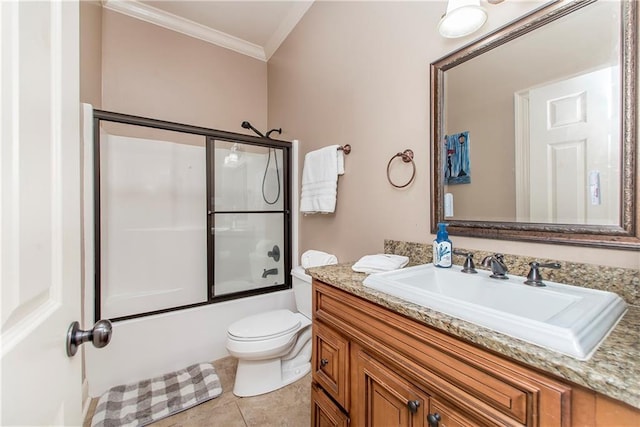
point(312, 258)
point(379, 263)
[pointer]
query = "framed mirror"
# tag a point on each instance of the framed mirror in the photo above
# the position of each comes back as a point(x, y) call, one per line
point(534, 132)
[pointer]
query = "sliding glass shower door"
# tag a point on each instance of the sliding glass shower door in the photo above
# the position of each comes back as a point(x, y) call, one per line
point(249, 233)
point(185, 216)
point(152, 219)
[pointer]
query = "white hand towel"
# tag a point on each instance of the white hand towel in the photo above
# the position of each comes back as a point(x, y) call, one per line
point(340, 165)
point(313, 258)
point(379, 263)
point(320, 180)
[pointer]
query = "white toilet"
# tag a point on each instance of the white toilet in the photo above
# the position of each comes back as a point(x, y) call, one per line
point(273, 348)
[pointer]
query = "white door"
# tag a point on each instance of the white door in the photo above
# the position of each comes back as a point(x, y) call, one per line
point(40, 213)
point(575, 150)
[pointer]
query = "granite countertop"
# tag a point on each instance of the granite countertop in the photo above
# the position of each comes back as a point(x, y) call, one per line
point(613, 370)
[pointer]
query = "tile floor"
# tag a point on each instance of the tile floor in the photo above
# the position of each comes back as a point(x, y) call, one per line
point(287, 407)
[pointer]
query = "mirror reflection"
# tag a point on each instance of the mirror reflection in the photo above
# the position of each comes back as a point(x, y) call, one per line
point(532, 128)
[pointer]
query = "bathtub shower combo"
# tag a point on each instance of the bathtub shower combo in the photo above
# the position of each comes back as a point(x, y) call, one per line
point(186, 216)
point(186, 231)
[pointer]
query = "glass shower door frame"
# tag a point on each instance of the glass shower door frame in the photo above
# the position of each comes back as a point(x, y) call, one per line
point(211, 135)
point(285, 212)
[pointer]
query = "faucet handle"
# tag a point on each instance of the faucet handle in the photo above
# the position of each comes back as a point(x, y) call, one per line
point(468, 267)
point(534, 278)
point(498, 267)
point(486, 261)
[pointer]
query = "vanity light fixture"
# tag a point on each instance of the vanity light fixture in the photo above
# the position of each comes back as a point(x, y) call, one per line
point(463, 17)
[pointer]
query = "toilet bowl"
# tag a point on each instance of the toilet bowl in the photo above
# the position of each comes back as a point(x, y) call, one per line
point(273, 348)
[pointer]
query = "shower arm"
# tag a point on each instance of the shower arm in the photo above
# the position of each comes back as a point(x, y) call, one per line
point(279, 130)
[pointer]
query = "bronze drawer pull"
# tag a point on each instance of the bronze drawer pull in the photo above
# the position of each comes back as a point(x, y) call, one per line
point(433, 419)
point(324, 362)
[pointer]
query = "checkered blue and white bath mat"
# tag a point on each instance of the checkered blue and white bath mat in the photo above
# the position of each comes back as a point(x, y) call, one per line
point(147, 401)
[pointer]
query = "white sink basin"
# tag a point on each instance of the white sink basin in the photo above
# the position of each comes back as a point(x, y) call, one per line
point(568, 319)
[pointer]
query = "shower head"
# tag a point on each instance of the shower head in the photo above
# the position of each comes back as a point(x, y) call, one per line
point(247, 125)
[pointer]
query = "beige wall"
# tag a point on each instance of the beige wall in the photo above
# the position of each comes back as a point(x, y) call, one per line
point(153, 72)
point(358, 73)
point(91, 52)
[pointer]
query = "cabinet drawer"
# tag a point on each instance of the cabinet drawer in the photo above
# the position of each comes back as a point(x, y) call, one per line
point(330, 362)
point(325, 413)
point(448, 416)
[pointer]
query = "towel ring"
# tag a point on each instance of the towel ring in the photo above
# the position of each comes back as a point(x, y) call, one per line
point(407, 156)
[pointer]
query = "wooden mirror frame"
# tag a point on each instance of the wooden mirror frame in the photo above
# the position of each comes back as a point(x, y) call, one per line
point(623, 236)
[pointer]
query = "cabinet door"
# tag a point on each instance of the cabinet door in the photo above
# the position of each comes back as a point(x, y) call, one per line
point(325, 413)
point(382, 398)
point(330, 361)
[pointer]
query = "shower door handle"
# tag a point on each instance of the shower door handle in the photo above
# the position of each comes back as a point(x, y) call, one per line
point(99, 335)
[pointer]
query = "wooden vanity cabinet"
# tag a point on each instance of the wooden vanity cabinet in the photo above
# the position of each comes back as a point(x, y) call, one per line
point(374, 367)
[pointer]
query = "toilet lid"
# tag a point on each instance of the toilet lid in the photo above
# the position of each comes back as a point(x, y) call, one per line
point(271, 324)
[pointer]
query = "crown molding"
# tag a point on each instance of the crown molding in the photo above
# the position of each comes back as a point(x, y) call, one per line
point(299, 8)
point(176, 23)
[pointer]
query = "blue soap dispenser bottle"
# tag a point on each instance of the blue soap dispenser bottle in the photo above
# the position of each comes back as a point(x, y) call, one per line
point(442, 247)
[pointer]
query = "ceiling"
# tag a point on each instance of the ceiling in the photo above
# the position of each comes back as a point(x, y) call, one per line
point(253, 28)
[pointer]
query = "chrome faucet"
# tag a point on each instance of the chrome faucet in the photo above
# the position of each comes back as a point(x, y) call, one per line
point(268, 272)
point(498, 267)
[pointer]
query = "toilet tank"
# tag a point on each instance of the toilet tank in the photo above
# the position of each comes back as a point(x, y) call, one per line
point(301, 283)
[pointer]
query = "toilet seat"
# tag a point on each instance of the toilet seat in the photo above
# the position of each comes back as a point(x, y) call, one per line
point(265, 326)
